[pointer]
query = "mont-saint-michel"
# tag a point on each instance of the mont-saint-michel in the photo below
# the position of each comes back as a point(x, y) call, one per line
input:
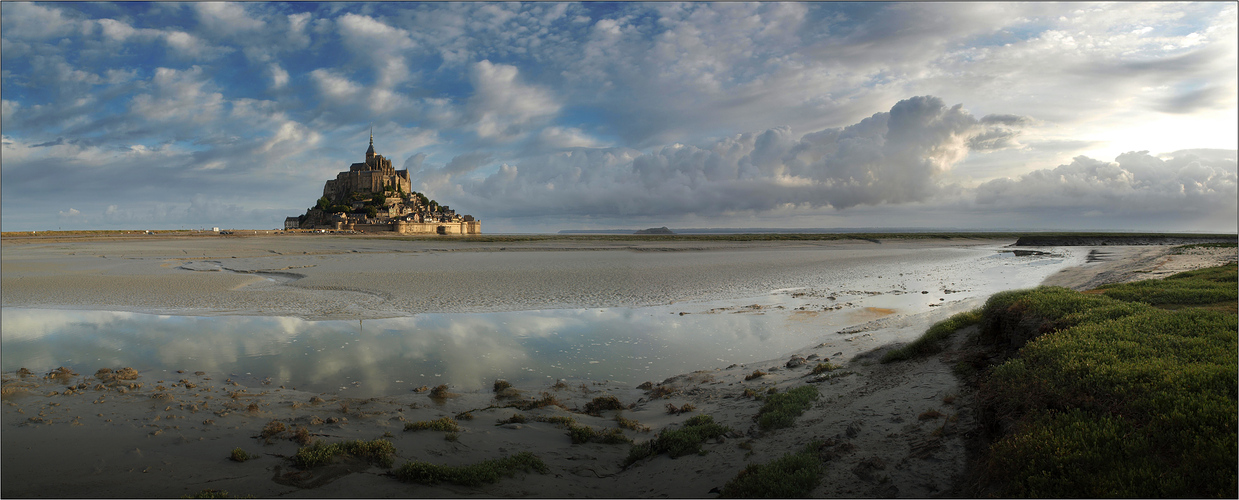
point(894, 249)
point(372, 196)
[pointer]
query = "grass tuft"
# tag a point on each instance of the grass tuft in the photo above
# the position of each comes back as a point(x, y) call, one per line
point(933, 340)
point(678, 442)
point(486, 472)
point(603, 403)
point(781, 410)
point(239, 455)
point(793, 475)
point(444, 424)
point(378, 451)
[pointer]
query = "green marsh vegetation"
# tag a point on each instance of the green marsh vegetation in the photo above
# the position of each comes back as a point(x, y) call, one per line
point(489, 471)
point(793, 475)
point(781, 410)
point(1126, 391)
point(678, 442)
point(444, 424)
point(934, 339)
point(239, 455)
point(378, 451)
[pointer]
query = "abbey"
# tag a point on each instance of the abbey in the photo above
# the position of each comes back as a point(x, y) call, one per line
point(373, 196)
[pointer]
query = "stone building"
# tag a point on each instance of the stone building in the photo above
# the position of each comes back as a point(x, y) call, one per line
point(374, 197)
point(375, 175)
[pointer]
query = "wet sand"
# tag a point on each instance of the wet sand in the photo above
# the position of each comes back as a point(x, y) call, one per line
point(172, 435)
point(324, 277)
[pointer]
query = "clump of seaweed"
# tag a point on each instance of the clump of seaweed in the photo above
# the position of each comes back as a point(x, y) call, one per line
point(489, 471)
point(501, 384)
point(756, 374)
point(645, 386)
point(444, 424)
point(672, 410)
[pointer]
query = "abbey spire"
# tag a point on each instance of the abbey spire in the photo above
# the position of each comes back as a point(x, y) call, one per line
point(370, 151)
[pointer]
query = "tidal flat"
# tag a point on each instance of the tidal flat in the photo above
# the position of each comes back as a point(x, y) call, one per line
point(333, 339)
point(374, 317)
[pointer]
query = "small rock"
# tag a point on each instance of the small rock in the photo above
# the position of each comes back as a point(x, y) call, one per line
point(316, 400)
point(795, 361)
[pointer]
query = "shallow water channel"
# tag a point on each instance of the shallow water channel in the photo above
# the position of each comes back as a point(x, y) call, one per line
point(363, 358)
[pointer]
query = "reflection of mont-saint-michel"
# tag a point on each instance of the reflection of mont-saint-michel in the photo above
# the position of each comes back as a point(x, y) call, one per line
point(374, 197)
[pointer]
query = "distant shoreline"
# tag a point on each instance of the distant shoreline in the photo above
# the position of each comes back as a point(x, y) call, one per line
point(1024, 238)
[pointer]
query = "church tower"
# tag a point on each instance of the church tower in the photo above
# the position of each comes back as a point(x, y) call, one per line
point(370, 151)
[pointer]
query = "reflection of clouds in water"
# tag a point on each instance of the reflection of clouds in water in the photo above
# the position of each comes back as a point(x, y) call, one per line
point(30, 324)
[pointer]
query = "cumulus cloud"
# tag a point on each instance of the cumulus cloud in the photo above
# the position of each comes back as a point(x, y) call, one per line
point(894, 157)
point(1134, 182)
point(181, 96)
point(502, 106)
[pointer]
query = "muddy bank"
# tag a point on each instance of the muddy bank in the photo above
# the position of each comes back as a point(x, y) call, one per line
point(1107, 240)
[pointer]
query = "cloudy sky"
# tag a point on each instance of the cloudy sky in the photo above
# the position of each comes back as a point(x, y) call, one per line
point(545, 116)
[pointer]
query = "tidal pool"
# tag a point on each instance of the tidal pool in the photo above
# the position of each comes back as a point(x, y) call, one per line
point(385, 356)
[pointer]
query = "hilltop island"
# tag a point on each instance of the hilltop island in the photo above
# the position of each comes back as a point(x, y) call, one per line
point(372, 196)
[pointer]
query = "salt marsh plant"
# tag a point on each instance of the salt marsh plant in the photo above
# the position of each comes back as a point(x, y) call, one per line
point(490, 471)
point(583, 434)
point(378, 451)
point(781, 410)
point(1114, 398)
point(934, 339)
point(824, 368)
point(547, 399)
point(601, 404)
point(630, 424)
point(239, 455)
point(793, 475)
point(444, 424)
point(441, 392)
point(678, 442)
